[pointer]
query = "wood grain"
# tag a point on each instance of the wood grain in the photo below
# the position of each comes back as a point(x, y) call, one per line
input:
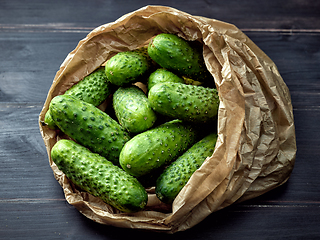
point(292, 14)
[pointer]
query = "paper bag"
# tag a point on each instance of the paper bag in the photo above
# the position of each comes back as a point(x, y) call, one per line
point(256, 146)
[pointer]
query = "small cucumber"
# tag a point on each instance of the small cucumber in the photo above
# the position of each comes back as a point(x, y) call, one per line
point(178, 173)
point(156, 147)
point(127, 67)
point(99, 177)
point(186, 102)
point(133, 110)
point(89, 126)
point(179, 56)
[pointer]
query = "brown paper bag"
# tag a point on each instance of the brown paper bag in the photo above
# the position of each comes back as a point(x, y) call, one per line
point(256, 146)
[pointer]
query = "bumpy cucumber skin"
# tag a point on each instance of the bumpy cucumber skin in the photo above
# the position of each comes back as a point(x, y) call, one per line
point(162, 75)
point(156, 147)
point(178, 173)
point(127, 67)
point(133, 110)
point(186, 102)
point(177, 55)
point(99, 177)
point(89, 126)
point(93, 89)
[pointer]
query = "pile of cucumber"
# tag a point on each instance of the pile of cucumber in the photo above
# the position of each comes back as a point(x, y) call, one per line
point(156, 136)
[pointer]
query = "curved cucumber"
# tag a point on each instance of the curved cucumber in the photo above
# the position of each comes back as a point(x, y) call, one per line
point(133, 110)
point(89, 126)
point(156, 147)
point(178, 173)
point(186, 102)
point(99, 177)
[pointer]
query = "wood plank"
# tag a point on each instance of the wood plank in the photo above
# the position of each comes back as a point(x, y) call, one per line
point(29, 62)
point(247, 14)
point(56, 219)
point(25, 170)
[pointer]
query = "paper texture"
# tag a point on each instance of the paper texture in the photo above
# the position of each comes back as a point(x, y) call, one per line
point(256, 146)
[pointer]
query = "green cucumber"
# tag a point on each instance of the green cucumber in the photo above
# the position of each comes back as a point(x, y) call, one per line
point(133, 110)
point(186, 102)
point(179, 56)
point(144, 51)
point(89, 126)
point(156, 147)
point(99, 177)
point(93, 89)
point(48, 121)
point(178, 173)
point(128, 67)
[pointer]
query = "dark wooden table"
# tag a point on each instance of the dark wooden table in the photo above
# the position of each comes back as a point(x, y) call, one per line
point(36, 36)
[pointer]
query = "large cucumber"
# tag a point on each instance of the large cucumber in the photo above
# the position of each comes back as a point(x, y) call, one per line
point(133, 110)
point(178, 173)
point(186, 102)
point(89, 126)
point(156, 147)
point(99, 177)
point(93, 89)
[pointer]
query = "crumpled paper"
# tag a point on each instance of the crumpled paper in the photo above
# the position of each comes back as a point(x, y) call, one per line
point(256, 146)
